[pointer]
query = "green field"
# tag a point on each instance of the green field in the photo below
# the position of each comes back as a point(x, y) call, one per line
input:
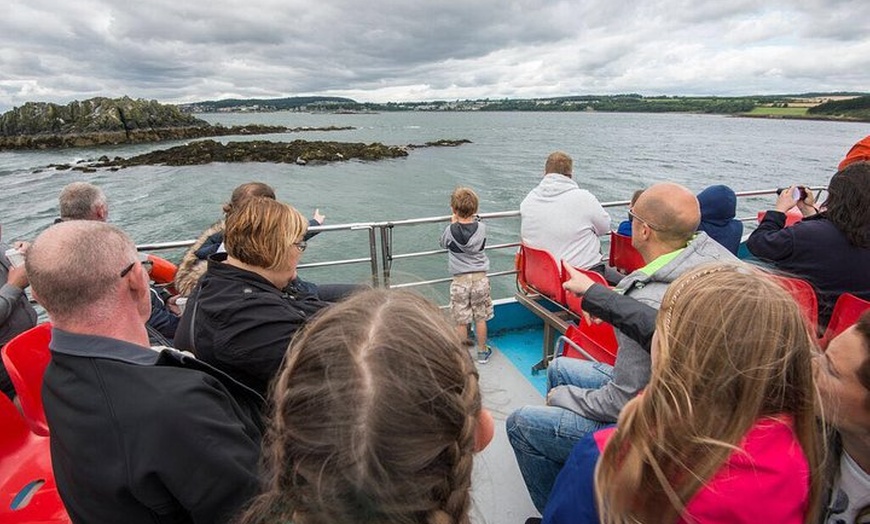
point(778, 111)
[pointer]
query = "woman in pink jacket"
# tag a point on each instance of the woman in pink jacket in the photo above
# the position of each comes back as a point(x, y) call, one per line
point(725, 432)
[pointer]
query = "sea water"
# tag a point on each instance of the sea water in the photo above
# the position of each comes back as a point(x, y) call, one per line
point(614, 154)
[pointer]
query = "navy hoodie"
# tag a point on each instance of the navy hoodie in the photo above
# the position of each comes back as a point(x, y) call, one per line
point(718, 209)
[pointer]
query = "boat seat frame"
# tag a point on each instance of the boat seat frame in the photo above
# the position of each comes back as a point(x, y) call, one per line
point(554, 322)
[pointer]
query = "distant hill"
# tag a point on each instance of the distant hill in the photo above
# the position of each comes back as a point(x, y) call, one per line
point(266, 104)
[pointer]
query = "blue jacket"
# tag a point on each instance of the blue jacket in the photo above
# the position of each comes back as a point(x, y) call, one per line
point(718, 209)
point(572, 500)
point(624, 228)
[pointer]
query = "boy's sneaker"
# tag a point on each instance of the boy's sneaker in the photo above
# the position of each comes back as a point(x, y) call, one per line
point(483, 356)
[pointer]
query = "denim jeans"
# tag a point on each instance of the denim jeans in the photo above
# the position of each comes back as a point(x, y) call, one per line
point(543, 436)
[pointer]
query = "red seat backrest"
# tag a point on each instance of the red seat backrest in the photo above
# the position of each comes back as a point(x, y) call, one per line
point(541, 271)
point(623, 256)
point(598, 340)
point(846, 312)
point(26, 357)
point(805, 296)
point(573, 301)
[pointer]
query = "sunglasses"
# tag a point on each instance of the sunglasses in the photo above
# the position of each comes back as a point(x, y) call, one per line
point(633, 215)
point(147, 264)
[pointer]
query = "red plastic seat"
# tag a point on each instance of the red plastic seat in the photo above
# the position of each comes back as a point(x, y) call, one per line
point(846, 312)
point(596, 342)
point(26, 357)
point(805, 296)
point(573, 301)
point(27, 489)
point(623, 256)
point(541, 272)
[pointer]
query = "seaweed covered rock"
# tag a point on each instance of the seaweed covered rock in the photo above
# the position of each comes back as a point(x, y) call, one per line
point(298, 151)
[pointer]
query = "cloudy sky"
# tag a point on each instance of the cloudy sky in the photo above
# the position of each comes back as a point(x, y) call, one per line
point(405, 50)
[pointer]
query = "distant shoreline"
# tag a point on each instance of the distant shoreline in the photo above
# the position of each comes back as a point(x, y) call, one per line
point(826, 118)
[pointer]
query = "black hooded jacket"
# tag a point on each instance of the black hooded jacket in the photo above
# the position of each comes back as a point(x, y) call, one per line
point(242, 324)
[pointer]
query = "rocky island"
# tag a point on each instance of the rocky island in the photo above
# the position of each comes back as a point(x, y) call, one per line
point(300, 152)
point(108, 121)
point(296, 152)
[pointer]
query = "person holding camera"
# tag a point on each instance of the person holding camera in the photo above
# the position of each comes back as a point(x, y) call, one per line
point(16, 313)
point(830, 247)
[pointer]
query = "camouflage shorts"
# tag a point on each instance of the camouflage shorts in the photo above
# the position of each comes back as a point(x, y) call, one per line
point(470, 298)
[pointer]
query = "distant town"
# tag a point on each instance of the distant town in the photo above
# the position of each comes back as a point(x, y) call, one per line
point(839, 106)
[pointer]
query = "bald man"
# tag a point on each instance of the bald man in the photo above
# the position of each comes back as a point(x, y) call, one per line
point(138, 435)
point(586, 396)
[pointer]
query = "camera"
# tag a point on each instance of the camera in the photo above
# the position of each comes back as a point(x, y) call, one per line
point(16, 258)
point(798, 193)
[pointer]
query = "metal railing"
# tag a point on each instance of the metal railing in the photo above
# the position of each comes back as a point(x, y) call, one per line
point(380, 242)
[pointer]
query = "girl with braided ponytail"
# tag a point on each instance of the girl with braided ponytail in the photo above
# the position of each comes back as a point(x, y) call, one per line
point(376, 416)
point(726, 430)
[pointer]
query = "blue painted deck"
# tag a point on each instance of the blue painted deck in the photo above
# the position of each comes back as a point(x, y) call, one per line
point(523, 349)
point(518, 335)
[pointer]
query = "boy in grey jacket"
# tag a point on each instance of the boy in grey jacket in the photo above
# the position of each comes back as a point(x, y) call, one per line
point(470, 296)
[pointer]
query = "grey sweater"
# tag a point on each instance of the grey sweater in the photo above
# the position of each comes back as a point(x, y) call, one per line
point(632, 369)
point(16, 313)
point(464, 244)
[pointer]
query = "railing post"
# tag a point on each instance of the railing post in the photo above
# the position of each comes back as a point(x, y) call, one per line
point(387, 252)
point(373, 254)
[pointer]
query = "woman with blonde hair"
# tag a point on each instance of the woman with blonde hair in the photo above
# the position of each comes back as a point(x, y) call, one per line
point(725, 431)
point(376, 417)
point(240, 318)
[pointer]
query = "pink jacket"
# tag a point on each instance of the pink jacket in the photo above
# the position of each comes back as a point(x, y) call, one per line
point(768, 483)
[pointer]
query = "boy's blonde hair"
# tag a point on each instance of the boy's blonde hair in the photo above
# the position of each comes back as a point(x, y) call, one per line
point(464, 202)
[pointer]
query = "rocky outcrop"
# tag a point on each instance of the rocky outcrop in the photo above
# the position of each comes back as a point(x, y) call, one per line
point(299, 152)
point(441, 143)
point(106, 121)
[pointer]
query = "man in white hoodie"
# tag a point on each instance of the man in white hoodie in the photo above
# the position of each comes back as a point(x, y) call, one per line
point(563, 219)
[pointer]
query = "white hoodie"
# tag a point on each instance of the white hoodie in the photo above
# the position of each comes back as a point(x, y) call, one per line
point(565, 220)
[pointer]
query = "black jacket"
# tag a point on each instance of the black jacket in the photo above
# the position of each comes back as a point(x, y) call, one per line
point(241, 323)
point(146, 436)
point(634, 318)
point(815, 250)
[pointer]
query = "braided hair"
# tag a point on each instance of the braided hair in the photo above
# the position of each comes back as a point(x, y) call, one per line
point(374, 418)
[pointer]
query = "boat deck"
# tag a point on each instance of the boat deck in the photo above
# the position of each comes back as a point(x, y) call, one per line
point(498, 490)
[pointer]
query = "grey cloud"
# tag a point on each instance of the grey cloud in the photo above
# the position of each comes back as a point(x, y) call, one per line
point(393, 49)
